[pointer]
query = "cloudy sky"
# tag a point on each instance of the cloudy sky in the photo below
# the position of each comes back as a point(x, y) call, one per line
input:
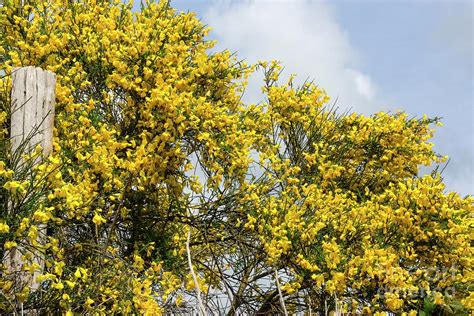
point(369, 55)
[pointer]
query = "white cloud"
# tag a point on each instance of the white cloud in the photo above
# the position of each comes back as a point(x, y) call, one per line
point(363, 84)
point(304, 35)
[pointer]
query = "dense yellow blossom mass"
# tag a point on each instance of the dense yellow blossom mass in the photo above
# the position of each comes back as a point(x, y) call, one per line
point(152, 141)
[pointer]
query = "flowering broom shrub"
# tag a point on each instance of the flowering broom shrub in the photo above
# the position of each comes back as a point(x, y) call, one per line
point(165, 192)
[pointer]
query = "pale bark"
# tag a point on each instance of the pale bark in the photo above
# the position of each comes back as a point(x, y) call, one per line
point(33, 99)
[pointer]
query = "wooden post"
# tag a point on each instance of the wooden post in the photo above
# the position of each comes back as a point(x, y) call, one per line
point(32, 118)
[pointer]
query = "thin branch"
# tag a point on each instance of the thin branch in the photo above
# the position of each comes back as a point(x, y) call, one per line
point(282, 301)
point(191, 269)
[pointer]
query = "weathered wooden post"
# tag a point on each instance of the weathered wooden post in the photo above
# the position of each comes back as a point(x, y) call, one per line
point(33, 98)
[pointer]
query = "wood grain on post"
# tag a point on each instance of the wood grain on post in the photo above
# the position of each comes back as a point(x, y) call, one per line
point(32, 118)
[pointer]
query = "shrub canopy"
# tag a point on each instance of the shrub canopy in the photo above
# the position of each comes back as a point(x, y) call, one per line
point(157, 162)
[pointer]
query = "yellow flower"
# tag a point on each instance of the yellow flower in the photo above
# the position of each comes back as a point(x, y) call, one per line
point(4, 228)
point(41, 216)
point(58, 285)
point(438, 298)
point(15, 186)
point(98, 220)
point(9, 244)
point(88, 302)
point(80, 273)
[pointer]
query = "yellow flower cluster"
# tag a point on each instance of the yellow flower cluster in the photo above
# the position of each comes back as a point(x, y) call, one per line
point(348, 209)
point(137, 95)
point(152, 139)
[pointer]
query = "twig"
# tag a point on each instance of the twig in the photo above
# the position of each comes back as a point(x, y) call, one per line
point(309, 304)
point(191, 269)
point(282, 301)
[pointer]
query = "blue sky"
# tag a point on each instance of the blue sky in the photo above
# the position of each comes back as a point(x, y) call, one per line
point(420, 55)
point(416, 56)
